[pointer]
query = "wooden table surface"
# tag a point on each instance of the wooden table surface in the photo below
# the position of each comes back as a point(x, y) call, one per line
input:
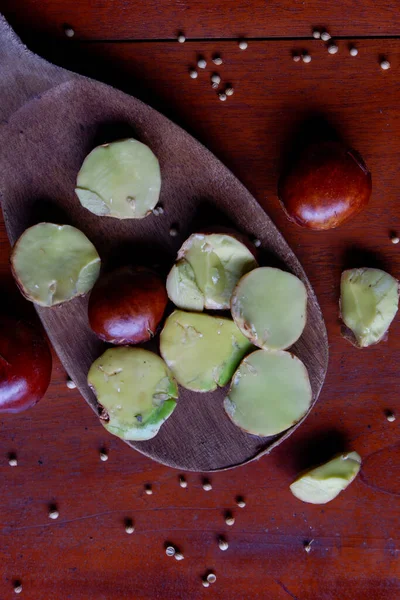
point(86, 554)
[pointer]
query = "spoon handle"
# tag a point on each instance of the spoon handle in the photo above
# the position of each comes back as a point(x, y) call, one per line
point(23, 74)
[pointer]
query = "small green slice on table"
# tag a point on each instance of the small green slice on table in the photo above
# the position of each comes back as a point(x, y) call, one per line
point(322, 484)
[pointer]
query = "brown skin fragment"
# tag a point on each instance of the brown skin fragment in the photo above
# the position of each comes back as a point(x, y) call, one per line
point(103, 414)
point(249, 333)
point(127, 305)
point(327, 186)
point(345, 331)
point(348, 335)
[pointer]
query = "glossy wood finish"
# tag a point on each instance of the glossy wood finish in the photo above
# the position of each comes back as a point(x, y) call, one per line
point(355, 554)
point(126, 19)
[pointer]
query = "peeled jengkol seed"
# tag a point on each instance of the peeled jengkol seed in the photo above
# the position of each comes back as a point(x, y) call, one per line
point(202, 351)
point(322, 484)
point(269, 393)
point(135, 390)
point(54, 263)
point(121, 179)
point(208, 267)
point(369, 300)
point(270, 307)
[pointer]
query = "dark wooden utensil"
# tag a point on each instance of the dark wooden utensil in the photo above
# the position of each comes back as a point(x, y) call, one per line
point(51, 119)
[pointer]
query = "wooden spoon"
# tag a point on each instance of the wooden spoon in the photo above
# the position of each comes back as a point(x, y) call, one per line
point(51, 119)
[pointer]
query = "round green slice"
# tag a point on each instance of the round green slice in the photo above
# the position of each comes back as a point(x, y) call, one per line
point(120, 180)
point(135, 390)
point(54, 263)
point(270, 307)
point(202, 351)
point(322, 484)
point(269, 393)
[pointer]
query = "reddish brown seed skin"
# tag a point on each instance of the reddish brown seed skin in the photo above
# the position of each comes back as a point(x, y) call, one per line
point(328, 185)
point(25, 365)
point(127, 305)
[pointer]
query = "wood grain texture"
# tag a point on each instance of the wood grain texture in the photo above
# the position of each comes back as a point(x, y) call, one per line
point(197, 192)
point(355, 554)
point(128, 19)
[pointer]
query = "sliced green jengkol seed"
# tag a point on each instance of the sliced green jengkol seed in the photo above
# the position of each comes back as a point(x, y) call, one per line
point(369, 299)
point(135, 390)
point(270, 307)
point(269, 393)
point(322, 484)
point(202, 351)
point(54, 263)
point(211, 265)
point(120, 180)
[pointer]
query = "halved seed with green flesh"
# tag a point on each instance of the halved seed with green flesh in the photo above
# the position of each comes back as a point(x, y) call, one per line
point(135, 390)
point(202, 351)
point(322, 484)
point(270, 307)
point(369, 299)
point(208, 268)
point(120, 180)
point(269, 393)
point(54, 263)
